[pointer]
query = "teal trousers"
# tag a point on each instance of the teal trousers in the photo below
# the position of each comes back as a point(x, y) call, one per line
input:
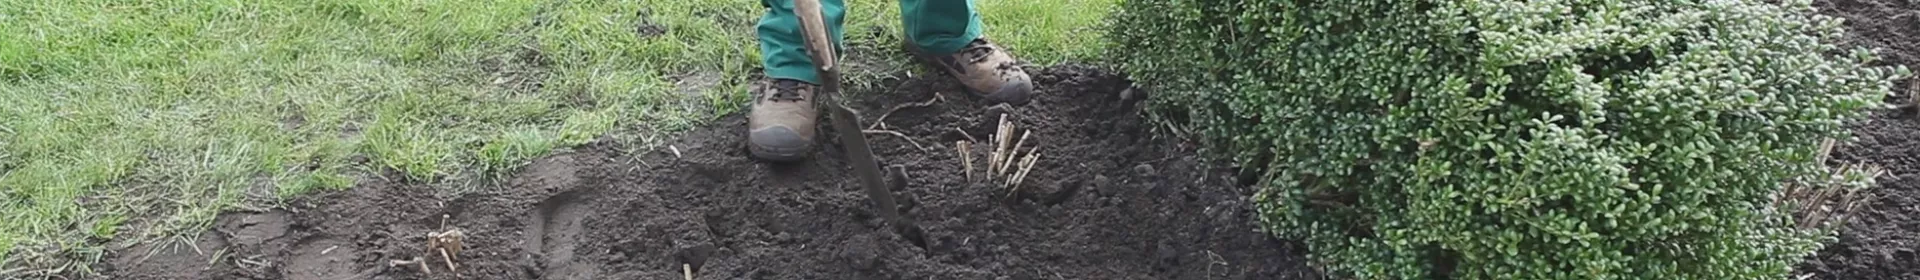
point(937, 26)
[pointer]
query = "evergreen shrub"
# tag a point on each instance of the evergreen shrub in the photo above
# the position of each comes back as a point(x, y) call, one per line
point(1506, 139)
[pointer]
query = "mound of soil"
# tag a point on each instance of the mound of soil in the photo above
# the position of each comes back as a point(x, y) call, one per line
point(1880, 241)
point(1105, 201)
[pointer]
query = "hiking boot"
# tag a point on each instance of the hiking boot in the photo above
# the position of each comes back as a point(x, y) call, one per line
point(781, 124)
point(986, 70)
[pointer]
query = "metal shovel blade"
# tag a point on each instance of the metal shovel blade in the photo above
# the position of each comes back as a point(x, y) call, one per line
point(813, 28)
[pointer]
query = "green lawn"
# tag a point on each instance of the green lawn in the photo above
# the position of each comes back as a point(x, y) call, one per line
point(138, 121)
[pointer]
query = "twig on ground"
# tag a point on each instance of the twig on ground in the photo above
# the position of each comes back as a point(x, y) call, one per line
point(1162, 159)
point(883, 117)
point(250, 208)
point(415, 260)
point(965, 134)
point(217, 256)
point(329, 249)
point(966, 158)
point(902, 136)
point(1214, 259)
point(11, 271)
point(255, 263)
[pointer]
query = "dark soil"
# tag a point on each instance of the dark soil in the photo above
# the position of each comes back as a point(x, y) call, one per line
point(1880, 241)
point(1106, 201)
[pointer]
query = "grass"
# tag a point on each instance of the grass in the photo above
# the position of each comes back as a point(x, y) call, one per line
point(139, 121)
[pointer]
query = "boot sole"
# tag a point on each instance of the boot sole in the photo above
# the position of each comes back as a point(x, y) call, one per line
point(781, 145)
point(775, 154)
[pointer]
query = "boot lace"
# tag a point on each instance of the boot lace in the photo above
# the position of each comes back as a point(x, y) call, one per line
point(977, 51)
point(786, 90)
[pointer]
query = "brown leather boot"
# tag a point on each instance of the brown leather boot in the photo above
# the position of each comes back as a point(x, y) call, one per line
point(780, 124)
point(986, 70)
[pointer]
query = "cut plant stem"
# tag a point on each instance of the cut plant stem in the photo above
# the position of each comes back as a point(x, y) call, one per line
point(1000, 140)
point(966, 158)
point(1826, 149)
point(1006, 141)
point(1018, 168)
point(1913, 96)
point(1014, 151)
point(1913, 93)
point(993, 153)
point(992, 157)
point(1008, 183)
point(1026, 165)
point(1033, 158)
point(449, 257)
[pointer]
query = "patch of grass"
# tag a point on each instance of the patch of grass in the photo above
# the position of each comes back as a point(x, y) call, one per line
point(1047, 32)
point(127, 122)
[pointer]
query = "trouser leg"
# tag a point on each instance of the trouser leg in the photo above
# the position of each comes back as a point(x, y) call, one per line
point(940, 26)
point(783, 52)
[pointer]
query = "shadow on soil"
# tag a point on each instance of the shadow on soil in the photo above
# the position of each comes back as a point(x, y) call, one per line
point(1105, 201)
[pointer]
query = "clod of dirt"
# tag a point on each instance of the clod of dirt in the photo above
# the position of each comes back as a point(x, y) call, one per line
point(1144, 170)
point(1064, 191)
point(258, 228)
point(601, 213)
point(1055, 193)
point(695, 255)
point(1132, 94)
point(860, 254)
